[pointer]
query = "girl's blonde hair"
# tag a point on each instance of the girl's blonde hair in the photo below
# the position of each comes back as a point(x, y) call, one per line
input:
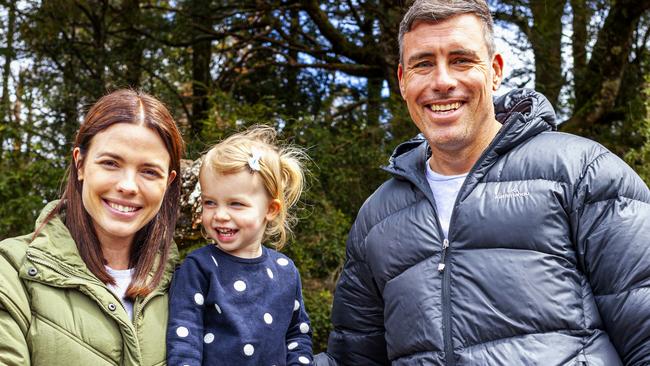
point(280, 167)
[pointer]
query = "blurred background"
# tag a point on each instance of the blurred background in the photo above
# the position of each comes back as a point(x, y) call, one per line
point(323, 73)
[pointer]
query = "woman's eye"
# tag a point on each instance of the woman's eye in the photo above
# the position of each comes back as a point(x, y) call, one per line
point(151, 173)
point(108, 163)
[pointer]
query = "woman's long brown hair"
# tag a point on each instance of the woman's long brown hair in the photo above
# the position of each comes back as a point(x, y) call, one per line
point(125, 106)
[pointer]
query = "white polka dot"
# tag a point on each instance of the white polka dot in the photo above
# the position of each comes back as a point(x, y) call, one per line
point(296, 305)
point(216, 306)
point(292, 345)
point(268, 319)
point(208, 338)
point(282, 261)
point(198, 299)
point(269, 272)
point(182, 332)
point(304, 328)
point(303, 360)
point(240, 285)
point(249, 350)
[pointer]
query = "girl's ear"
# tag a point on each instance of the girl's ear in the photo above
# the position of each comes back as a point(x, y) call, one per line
point(274, 209)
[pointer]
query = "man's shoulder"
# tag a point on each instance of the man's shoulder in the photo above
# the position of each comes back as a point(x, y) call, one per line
point(553, 146)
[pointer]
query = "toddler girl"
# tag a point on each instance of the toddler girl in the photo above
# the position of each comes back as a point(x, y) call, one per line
point(237, 302)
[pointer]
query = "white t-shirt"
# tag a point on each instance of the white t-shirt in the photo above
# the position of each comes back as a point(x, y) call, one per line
point(122, 281)
point(445, 188)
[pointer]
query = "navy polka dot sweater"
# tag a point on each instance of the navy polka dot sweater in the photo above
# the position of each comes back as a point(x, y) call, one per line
point(226, 310)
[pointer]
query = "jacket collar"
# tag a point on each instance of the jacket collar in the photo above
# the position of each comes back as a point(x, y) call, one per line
point(59, 259)
point(524, 114)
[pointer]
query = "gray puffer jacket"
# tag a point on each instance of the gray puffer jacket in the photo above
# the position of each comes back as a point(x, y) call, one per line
point(548, 257)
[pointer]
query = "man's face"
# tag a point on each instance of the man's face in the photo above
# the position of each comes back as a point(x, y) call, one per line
point(447, 79)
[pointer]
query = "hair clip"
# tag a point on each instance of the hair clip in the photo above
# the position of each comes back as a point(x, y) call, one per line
point(254, 160)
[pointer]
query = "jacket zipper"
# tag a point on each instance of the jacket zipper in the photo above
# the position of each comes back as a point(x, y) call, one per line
point(49, 265)
point(446, 251)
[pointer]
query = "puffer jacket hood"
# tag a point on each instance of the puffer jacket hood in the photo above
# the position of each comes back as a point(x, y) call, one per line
point(54, 311)
point(546, 262)
point(524, 112)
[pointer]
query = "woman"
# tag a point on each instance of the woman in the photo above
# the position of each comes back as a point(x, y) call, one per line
point(89, 286)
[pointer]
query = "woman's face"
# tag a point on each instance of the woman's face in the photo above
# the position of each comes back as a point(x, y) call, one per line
point(125, 176)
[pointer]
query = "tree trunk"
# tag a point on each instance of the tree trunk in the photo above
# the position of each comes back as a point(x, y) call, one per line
point(601, 82)
point(201, 57)
point(133, 44)
point(546, 39)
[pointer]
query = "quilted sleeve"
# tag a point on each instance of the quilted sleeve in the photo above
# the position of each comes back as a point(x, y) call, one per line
point(298, 338)
point(357, 312)
point(612, 232)
point(185, 326)
point(14, 317)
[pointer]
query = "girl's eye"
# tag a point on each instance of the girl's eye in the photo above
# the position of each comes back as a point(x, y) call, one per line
point(237, 204)
point(207, 203)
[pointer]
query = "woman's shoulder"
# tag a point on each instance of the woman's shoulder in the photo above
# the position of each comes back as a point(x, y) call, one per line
point(13, 251)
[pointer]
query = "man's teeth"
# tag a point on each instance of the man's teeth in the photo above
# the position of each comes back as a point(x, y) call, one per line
point(122, 208)
point(444, 107)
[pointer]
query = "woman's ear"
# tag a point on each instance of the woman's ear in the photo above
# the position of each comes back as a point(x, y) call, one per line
point(78, 162)
point(274, 209)
point(170, 179)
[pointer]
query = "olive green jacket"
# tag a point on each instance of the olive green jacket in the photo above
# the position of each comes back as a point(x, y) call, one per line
point(55, 312)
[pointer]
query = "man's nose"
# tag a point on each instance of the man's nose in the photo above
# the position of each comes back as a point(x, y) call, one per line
point(442, 80)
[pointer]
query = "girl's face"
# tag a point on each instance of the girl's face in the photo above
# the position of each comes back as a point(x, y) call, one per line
point(125, 176)
point(236, 209)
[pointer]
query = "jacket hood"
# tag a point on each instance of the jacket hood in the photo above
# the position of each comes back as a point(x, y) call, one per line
point(523, 112)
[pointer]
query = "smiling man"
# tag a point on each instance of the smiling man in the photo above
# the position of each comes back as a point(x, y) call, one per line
point(499, 241)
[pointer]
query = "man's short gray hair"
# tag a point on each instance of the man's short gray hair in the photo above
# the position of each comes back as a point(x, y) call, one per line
point(438, 10)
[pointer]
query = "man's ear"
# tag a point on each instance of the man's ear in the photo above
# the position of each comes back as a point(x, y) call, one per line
point(274, 209)
point(400, 78)
point(78, 162)
point(497, 71)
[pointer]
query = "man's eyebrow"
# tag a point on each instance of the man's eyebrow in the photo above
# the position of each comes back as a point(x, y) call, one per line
point(457, 52)
point(464, 52)
point(419, 56)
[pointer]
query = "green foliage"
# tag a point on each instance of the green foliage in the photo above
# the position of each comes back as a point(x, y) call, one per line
point(24, 190)
point(318, 303)
point(639, 158)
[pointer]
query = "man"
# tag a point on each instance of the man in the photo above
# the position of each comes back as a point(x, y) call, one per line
point(498, 241)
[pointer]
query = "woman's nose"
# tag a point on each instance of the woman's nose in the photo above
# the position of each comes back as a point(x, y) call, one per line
point(127, 183)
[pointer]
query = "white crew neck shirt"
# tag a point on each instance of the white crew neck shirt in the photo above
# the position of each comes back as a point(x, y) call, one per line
point(122, 281)
point(445, 189)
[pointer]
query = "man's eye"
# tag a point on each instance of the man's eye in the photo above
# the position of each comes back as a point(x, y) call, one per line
point(423, 64)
